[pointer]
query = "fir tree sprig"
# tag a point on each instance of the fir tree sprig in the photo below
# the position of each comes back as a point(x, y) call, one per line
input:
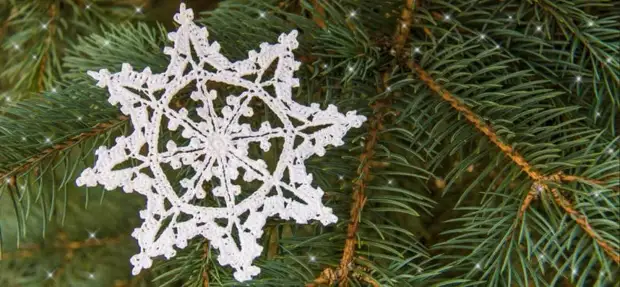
point(36, 33)
point(540, 180)
point(381, 110)
point(522, 150)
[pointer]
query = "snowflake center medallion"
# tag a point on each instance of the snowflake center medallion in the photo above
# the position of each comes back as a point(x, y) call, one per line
point(218, 144)
point(217, 148)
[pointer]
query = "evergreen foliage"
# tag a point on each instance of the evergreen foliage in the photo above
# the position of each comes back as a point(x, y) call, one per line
point(36, 33)
point(490, 157)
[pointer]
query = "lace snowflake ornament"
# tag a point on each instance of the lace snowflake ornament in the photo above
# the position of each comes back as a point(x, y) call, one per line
point(216, 148)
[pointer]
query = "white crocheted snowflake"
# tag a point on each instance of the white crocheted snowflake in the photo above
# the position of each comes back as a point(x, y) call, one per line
point(216, 148)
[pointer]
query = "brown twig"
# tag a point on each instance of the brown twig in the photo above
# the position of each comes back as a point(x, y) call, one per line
point(540, 180)
point(485, 129)
point(319, 19)
point(72, 246)
point(573, 178)
point(62, 243)
point(535, 189)
point(478, 123)
point(205, 272)
point(41, 75)
point(96, 130)
point(329, 276)
point(69, 248)
point(369, 280)
point(51, 27)
point(381, 109)
point(7, 23)
point(582, 221)
point(404, 27)
point(359, 187)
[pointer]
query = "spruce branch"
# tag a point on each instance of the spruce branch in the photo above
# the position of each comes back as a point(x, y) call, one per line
point(518, 90)
point(381, 110)
point(62, 146)
point(359, 187)
point(37, 34)
point(582, 221)
point(515, 38)
point(62, 114)
point(474, 119)
point(540, 180)
point(556, 13)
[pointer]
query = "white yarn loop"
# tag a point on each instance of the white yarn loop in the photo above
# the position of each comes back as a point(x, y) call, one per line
point(217, 147)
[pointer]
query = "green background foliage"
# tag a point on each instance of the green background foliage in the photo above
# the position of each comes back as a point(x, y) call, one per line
point(443, 200)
